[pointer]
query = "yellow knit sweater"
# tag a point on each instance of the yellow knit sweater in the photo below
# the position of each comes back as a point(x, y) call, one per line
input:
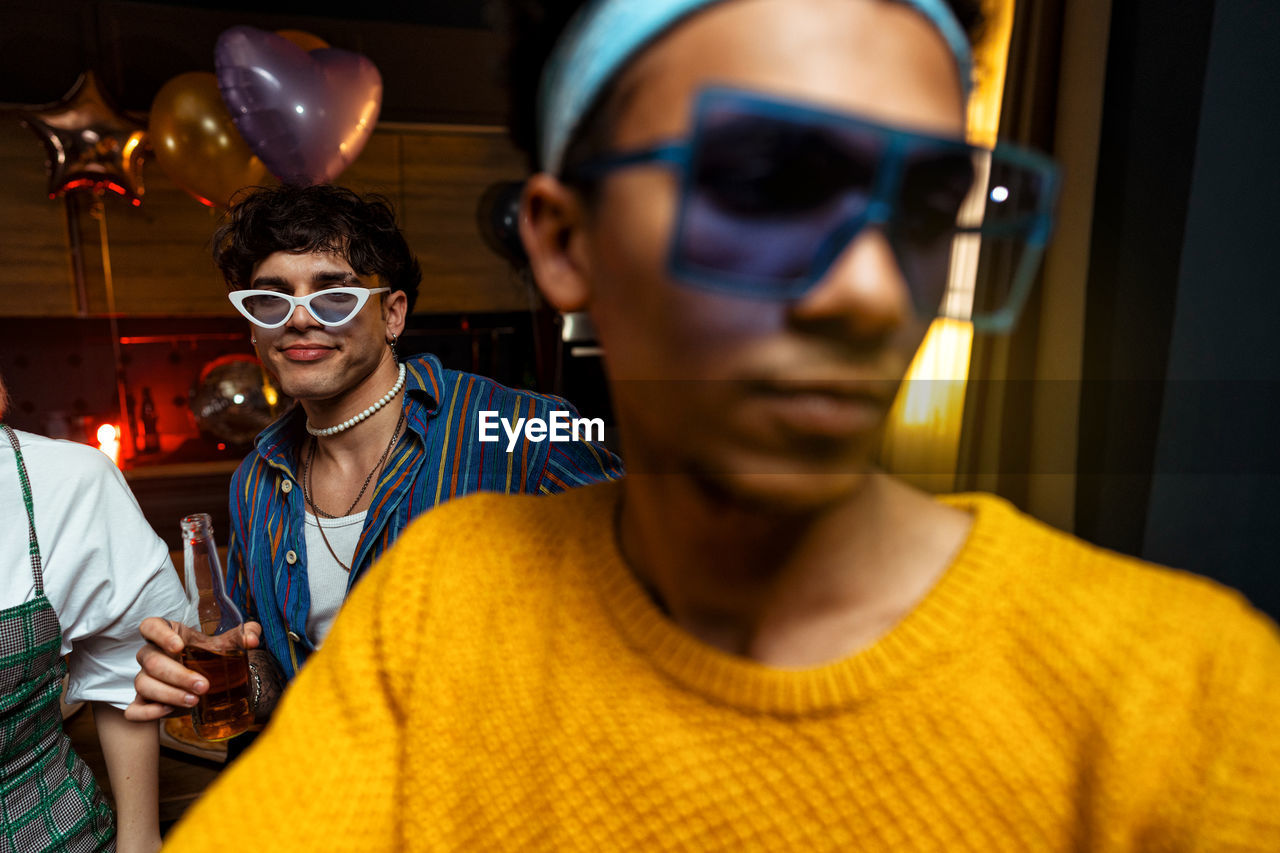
point(500, 682)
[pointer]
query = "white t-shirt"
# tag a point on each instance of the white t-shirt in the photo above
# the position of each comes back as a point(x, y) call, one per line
point(326, 580)
point(105, 570)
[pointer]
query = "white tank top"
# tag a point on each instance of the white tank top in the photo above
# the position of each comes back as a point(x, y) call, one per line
point(326, 579)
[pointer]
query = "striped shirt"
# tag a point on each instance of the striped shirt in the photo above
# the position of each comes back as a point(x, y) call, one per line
point(440, 457)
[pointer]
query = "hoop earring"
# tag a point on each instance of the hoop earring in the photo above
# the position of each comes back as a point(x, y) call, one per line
point(395, 356)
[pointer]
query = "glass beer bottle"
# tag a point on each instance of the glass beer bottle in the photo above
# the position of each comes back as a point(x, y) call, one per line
point(218, 651)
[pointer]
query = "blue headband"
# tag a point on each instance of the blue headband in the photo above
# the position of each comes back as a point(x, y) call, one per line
point(605, 34)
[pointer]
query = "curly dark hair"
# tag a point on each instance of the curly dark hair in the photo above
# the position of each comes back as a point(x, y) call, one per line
point(360, 229)
point(532, 28)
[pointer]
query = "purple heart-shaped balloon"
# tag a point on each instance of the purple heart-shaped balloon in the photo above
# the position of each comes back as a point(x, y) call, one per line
point(307, 115)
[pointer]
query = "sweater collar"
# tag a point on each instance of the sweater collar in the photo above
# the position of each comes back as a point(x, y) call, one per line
point(951, 618)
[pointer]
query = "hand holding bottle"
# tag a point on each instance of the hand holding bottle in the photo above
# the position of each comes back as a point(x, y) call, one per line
point(217, 650)
point(209, 661)
point(163, 684)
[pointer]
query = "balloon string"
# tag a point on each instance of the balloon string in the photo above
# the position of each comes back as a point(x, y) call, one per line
point(71, 204)
point(99, 212)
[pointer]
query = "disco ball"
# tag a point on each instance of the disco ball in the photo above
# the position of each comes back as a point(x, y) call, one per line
point(234, 399)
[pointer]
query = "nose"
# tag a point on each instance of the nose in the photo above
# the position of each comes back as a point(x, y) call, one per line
point(863, 296)
point(301, 319)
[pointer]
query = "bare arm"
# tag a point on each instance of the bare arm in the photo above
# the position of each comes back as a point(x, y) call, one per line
point(132, 751)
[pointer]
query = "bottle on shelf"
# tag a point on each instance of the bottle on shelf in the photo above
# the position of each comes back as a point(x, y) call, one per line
point(150, 438)
point(131, 417)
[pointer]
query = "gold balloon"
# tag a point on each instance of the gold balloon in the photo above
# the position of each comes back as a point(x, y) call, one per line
point(90, 145)
point(306, 41)
point(196, 142)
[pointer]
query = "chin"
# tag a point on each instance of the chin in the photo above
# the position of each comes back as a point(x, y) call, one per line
point(783, 487)
point(305, 390)
point(302, 382)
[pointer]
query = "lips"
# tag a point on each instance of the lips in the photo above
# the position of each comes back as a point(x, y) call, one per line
point(821, 409)
point(304, 352)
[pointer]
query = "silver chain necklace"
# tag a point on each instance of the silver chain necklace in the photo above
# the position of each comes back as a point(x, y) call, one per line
point(321, 514)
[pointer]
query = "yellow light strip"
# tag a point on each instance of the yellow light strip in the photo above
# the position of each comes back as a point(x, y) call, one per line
point(922, 438)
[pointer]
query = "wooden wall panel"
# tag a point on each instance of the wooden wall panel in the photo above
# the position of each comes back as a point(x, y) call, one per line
point(377, 169)
point(159, 254)
point(33, 233)
point(444, 174)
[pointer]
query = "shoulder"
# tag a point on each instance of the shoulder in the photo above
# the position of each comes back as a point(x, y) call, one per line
point(480, 392)
point(277, 437)
point(250, 467)
point(85, 510)
point(277, 440)
point(486, 521)
point(68, 474)
point(248, 473)
point(1143, 672)
point(64, 460)
point(1085, 605)
point(486, 538)
point(1063, 567)
point(456, 568)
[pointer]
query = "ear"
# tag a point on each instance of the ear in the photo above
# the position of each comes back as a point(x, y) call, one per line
point(552, 222)
point(395, 310)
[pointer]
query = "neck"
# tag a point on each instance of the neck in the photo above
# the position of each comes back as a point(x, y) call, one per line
point(789, 589)
point(351, 404)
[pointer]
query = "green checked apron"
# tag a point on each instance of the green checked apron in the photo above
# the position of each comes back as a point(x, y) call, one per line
point(49, 800)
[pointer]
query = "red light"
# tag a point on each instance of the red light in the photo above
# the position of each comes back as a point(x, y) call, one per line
point(109, 441)
point(93, 183)
point(221, 446)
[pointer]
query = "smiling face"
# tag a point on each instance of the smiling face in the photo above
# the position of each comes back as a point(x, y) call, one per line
point(320, 364)
point(770, 401)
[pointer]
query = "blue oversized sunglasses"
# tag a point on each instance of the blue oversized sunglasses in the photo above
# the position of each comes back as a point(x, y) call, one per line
point(772, 192)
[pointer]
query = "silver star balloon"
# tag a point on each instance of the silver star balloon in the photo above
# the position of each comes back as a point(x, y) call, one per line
point(90, 145)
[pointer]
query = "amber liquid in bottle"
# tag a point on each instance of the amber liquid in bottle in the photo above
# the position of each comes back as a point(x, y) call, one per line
point(224, 710)
point(217, 652)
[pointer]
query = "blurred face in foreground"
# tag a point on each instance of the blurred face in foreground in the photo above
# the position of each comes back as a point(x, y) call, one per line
point(775, 403)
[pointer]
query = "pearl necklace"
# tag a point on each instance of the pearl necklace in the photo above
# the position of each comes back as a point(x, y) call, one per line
point(355, 419)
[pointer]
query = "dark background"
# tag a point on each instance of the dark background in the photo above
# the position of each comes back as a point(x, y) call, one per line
point(439, 62)
point(1184, 295)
